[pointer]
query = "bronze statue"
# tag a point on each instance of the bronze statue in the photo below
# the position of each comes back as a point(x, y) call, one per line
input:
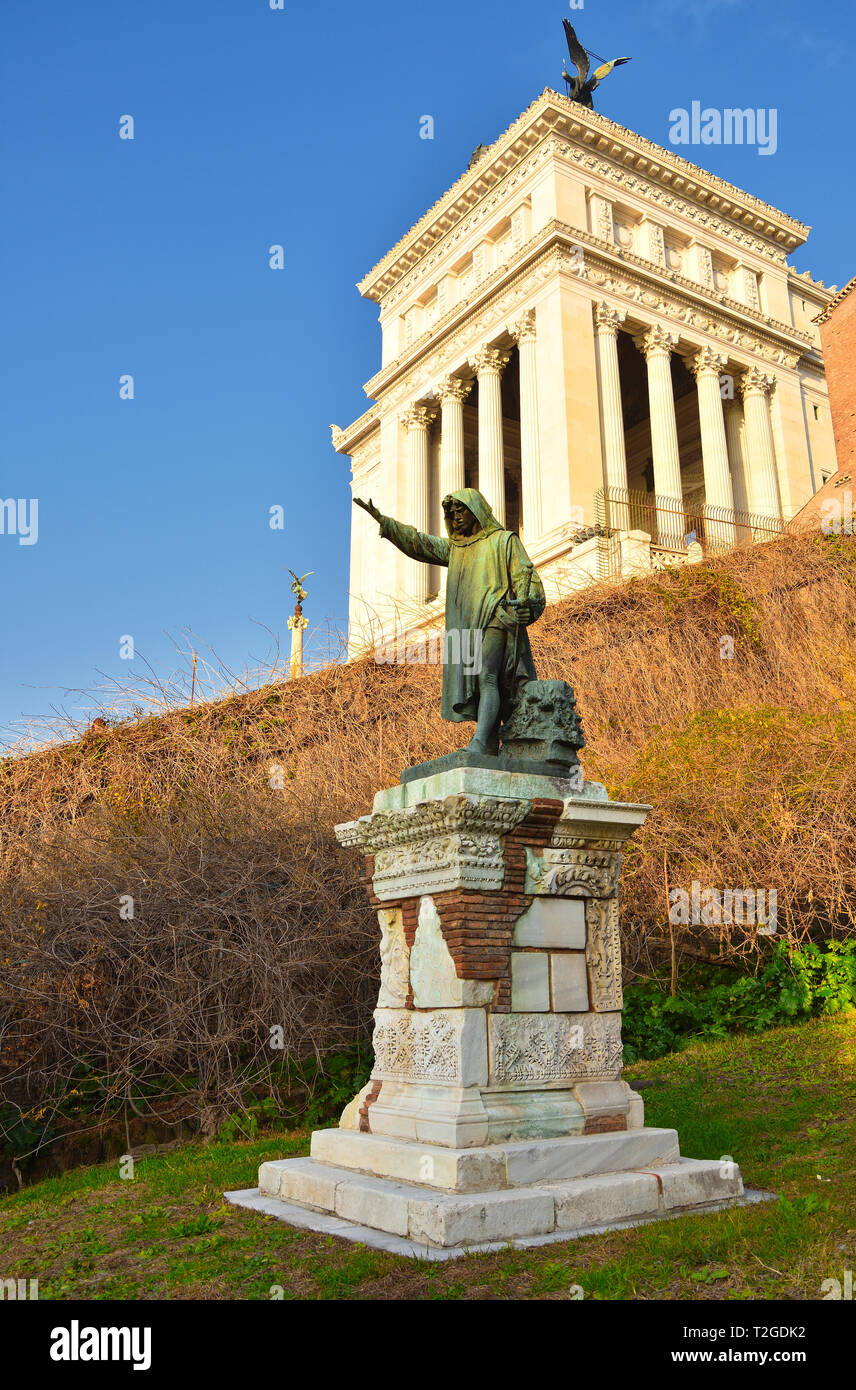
point(493, 591)
point(580, 88)
point(296, 587)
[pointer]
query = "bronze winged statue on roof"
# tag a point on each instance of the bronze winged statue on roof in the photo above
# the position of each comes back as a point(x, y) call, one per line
point(580, 88)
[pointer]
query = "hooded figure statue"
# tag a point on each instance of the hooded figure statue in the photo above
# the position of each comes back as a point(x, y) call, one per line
point(493, 593)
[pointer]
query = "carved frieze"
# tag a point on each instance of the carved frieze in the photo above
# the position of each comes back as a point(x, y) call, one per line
point(544, 1048)
point(436, 846)
point(566, 835)
point(447, 1046)
point(439, 865)
point(416, 1047)
point(603, 954)
point(394, 960)
point(572, 872)
point(632, 281)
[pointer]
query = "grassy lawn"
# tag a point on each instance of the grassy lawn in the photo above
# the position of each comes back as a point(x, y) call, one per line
point(782, 1104)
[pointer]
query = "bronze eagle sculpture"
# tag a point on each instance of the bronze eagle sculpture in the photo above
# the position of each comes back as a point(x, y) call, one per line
point(580, 88)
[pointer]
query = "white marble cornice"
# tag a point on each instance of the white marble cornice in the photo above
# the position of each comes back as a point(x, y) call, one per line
point(598, 142)
point(346, 440)
point(603, 266)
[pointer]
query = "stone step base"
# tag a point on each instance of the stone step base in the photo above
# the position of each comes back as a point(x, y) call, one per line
point(492, 1167)
point(448, 1220)
point(307, 1218)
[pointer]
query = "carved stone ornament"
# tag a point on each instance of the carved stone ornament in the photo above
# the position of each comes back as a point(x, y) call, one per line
point(608, 319)
point(418, 417)
point(416, 1047)
point(705, 361)
point(436, 846)
point(554, 1047)
point(573, 873)
point(523, 328)
point(757, 381)
point(394, 960)
point(544, 724)
point(452, 388)
point(656, 339)
point(603, 954)
point(490, 361)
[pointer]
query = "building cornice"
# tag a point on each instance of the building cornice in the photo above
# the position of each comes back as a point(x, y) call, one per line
point(835, 300)
point(602, 258)
point(552, 114)
point(347, 439)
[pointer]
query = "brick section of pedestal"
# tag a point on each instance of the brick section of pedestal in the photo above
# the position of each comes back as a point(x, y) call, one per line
point(371, 1096)
point(478, 927)
point(605, 1124)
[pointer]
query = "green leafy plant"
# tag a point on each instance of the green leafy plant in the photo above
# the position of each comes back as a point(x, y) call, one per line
point(793, 985)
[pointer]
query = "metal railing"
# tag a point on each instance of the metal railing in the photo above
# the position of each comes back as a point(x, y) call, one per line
point(673, 527)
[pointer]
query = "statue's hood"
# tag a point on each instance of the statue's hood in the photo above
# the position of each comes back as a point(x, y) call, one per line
point(478, 505)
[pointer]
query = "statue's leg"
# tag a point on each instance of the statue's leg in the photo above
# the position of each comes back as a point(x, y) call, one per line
point(486, 737)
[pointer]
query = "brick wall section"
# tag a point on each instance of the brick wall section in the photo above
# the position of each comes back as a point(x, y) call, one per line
point(838, 337)
point(478, 927)
point(605, 1124)
point(371, 1097)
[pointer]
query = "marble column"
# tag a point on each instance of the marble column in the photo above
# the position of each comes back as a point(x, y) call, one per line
point(755, 387)
point(297, 625)
point(735, 439)
point(532, 521)
point(417, 422)
point(706, 366)
point(607, 323)
point(489, 364)
point(656, 344)
point(452, 392)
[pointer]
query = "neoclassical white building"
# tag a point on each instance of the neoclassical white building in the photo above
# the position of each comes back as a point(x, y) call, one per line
point(596, 333)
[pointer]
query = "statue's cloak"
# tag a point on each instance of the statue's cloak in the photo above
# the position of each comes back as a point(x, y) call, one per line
point(485, 569)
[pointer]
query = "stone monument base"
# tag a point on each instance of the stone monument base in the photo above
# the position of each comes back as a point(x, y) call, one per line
point(496, 1110)
point(453, 1198)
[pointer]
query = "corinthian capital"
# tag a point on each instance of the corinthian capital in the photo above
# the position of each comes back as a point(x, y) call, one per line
point(705, 362)
point(656, 339)
point(452, 388)
point(418, 417)
point(608, 319)
point(490, 361)
point(754, 380)
point(523, 327)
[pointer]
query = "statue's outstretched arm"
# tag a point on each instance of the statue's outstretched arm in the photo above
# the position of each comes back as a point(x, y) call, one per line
point(418, 545)
point(369, 507)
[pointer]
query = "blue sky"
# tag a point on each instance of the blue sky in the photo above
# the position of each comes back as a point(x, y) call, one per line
point(299, 126)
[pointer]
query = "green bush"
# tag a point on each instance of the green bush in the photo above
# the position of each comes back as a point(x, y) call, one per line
point(792, 986)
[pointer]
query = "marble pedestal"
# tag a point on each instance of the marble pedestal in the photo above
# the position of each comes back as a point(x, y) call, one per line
point(496, 1108)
